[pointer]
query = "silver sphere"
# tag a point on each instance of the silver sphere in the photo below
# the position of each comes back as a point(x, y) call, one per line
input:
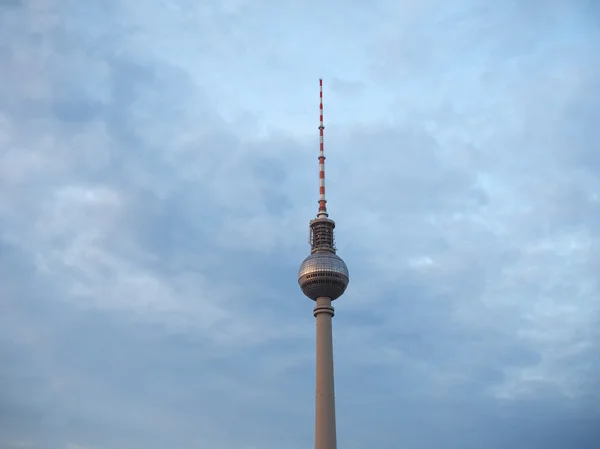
point(323, 274)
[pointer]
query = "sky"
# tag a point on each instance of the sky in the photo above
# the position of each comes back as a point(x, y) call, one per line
point(158, 170)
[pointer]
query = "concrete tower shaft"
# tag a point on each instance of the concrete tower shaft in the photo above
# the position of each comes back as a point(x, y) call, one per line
point(325, 428)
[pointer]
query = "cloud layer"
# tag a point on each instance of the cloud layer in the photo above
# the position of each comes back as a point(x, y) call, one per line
point(157, 174)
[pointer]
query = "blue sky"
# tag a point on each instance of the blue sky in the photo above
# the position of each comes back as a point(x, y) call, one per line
point(157, 174)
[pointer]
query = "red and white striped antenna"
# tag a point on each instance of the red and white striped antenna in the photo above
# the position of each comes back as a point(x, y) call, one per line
point(322, 201)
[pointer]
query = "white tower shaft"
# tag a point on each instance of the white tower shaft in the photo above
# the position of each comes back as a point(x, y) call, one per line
point(325, 431)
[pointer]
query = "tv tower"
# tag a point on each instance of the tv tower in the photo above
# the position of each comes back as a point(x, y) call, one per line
point(323, 277)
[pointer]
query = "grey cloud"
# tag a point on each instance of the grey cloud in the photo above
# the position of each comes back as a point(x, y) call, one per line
point(10, 3)
point(147, 248)
point(346, 87)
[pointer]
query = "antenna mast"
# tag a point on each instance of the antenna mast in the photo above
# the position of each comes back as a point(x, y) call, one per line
point(322, 201)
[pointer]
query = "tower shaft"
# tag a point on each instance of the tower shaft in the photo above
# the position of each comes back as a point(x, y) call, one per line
point(325, 431)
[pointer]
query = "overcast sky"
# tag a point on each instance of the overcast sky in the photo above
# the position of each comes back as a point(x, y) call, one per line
point(158, 170)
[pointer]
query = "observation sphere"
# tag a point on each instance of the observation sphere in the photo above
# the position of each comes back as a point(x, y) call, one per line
point(323, 274)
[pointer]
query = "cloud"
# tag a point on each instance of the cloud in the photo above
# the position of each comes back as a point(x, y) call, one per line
point(156, 184)
point(346, 87)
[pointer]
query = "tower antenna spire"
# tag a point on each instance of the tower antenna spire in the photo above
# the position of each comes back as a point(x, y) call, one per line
point(322, 201)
